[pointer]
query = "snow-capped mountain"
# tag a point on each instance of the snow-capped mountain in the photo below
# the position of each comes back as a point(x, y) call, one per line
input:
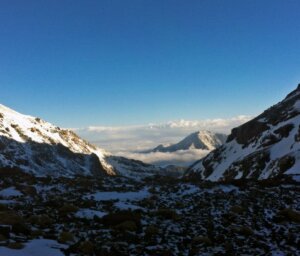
point(265, 147)
point(39, 147)
point(205, 140)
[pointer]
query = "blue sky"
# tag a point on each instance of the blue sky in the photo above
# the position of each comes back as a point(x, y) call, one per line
point(123, 62)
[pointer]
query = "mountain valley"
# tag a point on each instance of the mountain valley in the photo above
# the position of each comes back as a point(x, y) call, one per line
point(60, 195)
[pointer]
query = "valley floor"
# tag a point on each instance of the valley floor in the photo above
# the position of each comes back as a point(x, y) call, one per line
point(159, 216)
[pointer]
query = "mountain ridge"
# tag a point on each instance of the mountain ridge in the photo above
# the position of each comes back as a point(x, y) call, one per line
point(264, 147)
point(37, 146)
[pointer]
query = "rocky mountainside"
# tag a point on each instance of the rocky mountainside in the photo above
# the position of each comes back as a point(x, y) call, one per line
point(265, 147)
point(160, 216)
point(205, 140)
point(39, 147)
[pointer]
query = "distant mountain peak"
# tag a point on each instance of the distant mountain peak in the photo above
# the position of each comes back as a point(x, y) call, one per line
point(205, 140)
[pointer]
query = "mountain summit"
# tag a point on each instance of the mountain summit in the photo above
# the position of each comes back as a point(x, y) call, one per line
point(205, 140)
point(265, 147)
point(39, 147)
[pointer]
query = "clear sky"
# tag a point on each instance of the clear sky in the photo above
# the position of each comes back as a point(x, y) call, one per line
point(122, 62)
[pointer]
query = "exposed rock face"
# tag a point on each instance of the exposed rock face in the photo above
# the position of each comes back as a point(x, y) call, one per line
point(267, 146)
point(46, 159)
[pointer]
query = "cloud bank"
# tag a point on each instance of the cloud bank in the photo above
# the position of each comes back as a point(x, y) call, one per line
point(180, 157)
point(127, 141)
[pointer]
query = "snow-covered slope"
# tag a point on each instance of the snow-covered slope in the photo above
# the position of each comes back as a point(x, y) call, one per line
point(41, 148)
point(264, 147)
point(205, 140)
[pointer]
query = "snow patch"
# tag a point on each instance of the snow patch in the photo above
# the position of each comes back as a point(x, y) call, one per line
point(10, 192)
point(89, 214)
point(297, 105)
point(36, 247)
point(113, 195)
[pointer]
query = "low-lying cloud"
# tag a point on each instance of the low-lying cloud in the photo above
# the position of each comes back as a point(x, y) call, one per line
point(127, 141)
point(180, 157)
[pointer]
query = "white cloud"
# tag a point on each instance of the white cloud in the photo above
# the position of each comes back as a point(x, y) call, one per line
point(128, 140)
point(181, 157)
